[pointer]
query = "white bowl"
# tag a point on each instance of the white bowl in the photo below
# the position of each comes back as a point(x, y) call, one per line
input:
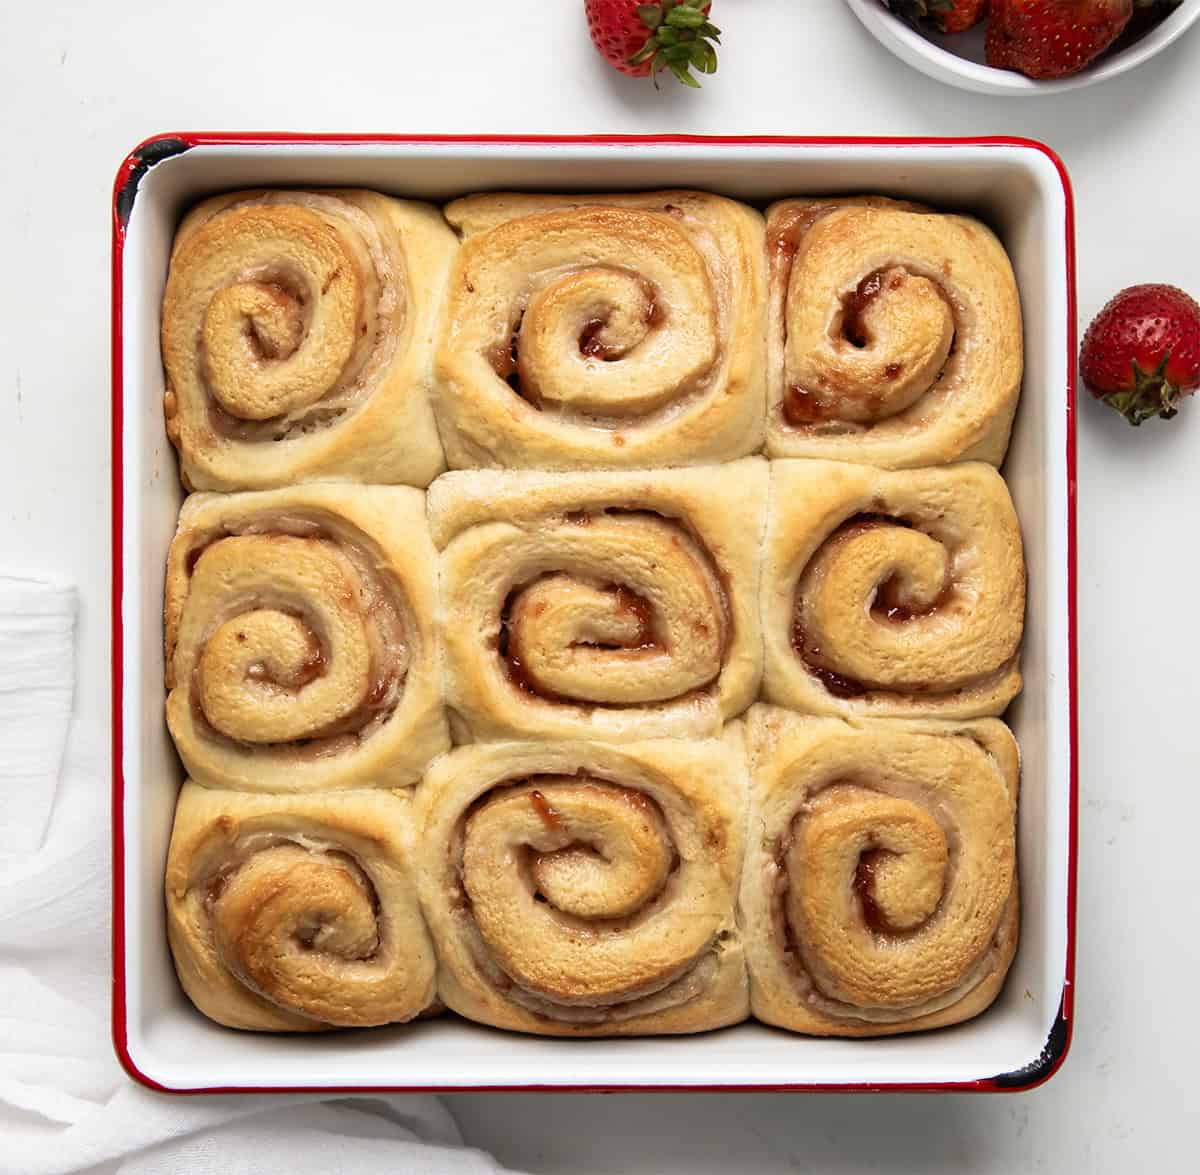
point(1020, 189)
point(959, 59)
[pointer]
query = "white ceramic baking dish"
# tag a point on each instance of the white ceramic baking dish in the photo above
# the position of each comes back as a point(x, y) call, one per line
point(1021, 189)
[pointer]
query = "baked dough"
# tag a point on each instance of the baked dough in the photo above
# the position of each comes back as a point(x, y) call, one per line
point(578, 889)
point(600, 605)
point(612, 331)
point(894, 334)
point(301, 647)
point(892, 594)
point(297, 335)
point(879, 893)
point(297, 913)
point(624, 843)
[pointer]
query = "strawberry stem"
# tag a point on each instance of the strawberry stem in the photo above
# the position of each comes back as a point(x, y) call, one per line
point(1152, 394)
point(680, 39)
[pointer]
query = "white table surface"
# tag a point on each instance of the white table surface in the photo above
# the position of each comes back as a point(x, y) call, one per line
point(80, 83)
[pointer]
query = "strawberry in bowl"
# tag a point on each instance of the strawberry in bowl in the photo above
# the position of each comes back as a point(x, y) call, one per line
point(1053, 38)
point(946, 16)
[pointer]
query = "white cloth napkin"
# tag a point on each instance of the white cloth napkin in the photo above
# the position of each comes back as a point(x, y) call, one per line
point(37, 623)
point(65, 1104)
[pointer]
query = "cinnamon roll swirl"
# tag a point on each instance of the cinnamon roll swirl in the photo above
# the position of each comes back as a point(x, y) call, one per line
point(617, 331)
point(577, 889)
point(301, 649)
point(297, 913)
point(892, 594)
point(879, 893)
point(609, 605)
point(894, 334)
point(297, 335)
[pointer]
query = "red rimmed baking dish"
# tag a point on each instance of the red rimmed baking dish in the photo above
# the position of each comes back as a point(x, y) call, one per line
point(1021, 189)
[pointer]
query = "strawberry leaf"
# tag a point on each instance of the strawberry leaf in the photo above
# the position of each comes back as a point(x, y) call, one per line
point(651, 15)
point(680, 71)
point(680, 38)
point(1152, 395)
point(685, 18)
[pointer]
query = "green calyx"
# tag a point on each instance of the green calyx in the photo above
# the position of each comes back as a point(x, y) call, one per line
point(681, 39)
point(1152, 394)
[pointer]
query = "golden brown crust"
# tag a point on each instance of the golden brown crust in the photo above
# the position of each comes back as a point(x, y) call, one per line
point(297, 337)
point(879, 892)
point(892, 594)
point(577, 889)
point(894, 334)
point(301, 647)
point(599, 590)
point(603, 331)
point(297, 913)
point(613, 605)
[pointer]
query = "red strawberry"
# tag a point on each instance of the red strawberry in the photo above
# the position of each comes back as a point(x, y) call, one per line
point(1141, 354)
point(641, 39)
point(947, 16)
point(1053, 38)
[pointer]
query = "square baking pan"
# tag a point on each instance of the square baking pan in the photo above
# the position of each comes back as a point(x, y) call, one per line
point(1021, 190)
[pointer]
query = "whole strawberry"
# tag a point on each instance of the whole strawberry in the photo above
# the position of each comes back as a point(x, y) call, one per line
point(1047, 39)
point(947, 16)
point(1141, 354)
point(645, 39)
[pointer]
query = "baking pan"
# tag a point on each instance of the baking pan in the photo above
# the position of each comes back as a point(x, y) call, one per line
point(1021, 189)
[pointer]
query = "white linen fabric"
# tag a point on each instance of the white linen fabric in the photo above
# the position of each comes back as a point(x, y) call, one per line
point(65, 1104)
point(37, 623)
